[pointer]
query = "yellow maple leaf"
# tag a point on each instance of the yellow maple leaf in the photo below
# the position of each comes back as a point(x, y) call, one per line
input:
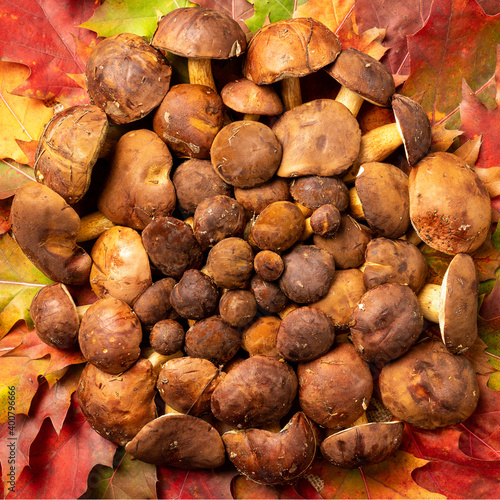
point(21, 118)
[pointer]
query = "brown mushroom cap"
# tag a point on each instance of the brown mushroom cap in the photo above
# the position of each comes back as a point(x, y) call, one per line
point(246, 153)
point(382, 189)
point(256, 392)
point(127, 77)
point(268, 294)
point(335, 389)
point(319, 137)
point(199, 33)
point(138, 188)
point(237, 307)
point(176, 440)
point(394, 261)
point(413, 125)
point(386, 322)
point(121, 265)
point(268, 265)
point(364, 75)
point(244, 96)
point(153, 304)
point(118, 407)
point(459, 304)
point(255, 199)
point(68, 149)
point(273, 458)
point(167, 337)
point(450, 207)
point(429, 387)
point(293, 47)
point(260, 336)
point(313, 191)
point(361, 445)
point(45, 228)
point(188, 119)
point(325, 220)
point(110, 335)
point(54, 314)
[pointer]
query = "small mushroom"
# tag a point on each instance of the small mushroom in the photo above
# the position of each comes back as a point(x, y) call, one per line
point(325, 221)
point(238, 307)
point(273, 458)
point(255, 199)
point(177, 440)
point(260, 337)
point(167, 337)
point(45, 228)
point(268, 294)
point(313, 191)
point(268, 265)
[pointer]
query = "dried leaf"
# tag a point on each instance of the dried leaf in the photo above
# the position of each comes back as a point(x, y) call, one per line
point(239, 10)
point(13, 175)
point(5, 205)
point(265, 11)
point(442, 138)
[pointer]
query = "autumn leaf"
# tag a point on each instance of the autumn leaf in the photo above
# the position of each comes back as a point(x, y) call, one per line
point(457, 42)
point(442, 138)
point(271, 11)
point(60, 463)
point(23, 118)
point(13, 175)
point(239, 10)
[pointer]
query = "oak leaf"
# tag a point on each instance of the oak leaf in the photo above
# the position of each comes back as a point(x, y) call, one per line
point(13, 175)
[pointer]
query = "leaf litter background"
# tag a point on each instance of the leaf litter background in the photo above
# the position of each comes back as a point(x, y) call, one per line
point(443, 52)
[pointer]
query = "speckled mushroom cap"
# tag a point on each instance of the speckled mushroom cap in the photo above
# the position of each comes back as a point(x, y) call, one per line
point(364, 75)
point(459, 303)
point(199, 33)
point(366, 444)
point(178, 440)
point(450, 207)
point(413, 125)
point(293, 47)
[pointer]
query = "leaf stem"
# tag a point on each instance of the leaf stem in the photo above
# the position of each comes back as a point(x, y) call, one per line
point(364, 481)
point(21, 283)
point(15, 116)
point(480, 440)
point(18, 170)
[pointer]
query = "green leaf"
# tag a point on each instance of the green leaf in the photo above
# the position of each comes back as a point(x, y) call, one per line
point(19, 282)
point(13, 175)
point(130, 16)
point(276, 10)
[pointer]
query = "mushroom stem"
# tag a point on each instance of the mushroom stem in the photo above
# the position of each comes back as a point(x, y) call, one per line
point(290, 92)
point(308, 230)
point(430, 300)
point(361, 420)
point(350, 100)
point(80, 310)
point(92, 226)
point(157, 359)
point(251, 117)
point(355, 206)
point(412, 237)
point(287, 310)
point(200, 72)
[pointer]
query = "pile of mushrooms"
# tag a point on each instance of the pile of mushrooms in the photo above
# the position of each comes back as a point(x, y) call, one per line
point(250, 254)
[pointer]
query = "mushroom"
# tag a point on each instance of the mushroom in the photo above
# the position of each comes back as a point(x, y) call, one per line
point(362, 78)
point(200, 35)
point(450, 207)
point(127, 77)
point(110, 335)
point(429, 387)
point(255, 199)
point(454, 304)
point(273, 458)
point(325, 221)
point(260, 337)
point(237, 307)
point(320, 137)
point(45, 228)
point(314, 191)
point(188, 119)
point(138, 188)
point(386, 322)
point(287, 50)
point(68, 149)
point(268, 294)
point(177, 440)
point(268, 265)
point(251, 100)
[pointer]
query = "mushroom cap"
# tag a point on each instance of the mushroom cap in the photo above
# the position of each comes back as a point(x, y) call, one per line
point(325, 220)
point(246, 97)
point(255, 199)
point(383, 191)
point(386, 322)
point(153, 304)
point(167, 337)
point(54, 314)
point(199, 33)
point(394, 261)
point(68, 149)
point(429, 387)
point(138, 188)
point(366, 444)
point(273, 457)
point(313, 191)
point(364, 75)
point(414, 127)
point(237, 307)
point(289, 48)
point(459, 304)
point(268, 265)
point(176, 440)
point(127, 77)
point(260, 336)
point(45, 228)
point(320, 137)
point(268, 294)
point(450, 207)
point(118, 407)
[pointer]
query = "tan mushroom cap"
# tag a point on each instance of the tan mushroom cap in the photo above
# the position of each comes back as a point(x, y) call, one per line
point(177, 440)
point(364, 75)
point(199, 33)
point(45, 228)
point(450, 207)
point(320, 137)
point(293, 47)
point(244, 96)
point(366, 444)
point(459, 304)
